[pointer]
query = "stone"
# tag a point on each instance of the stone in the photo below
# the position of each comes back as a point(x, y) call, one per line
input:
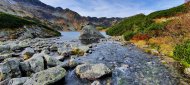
point(83, 48)
point(5, 56)
point(51, 61)
point(92, 71)
point(10, 69)
point(53, 48)
point(18, 81)
point(4, 48)
point(78, 52)
point(45, 51)
point(28, 53)
point(47, 77)
point(34, 64)
point(71, 63)
point(24, 43)
point(60, 58)
point(4, 82)
point(89, 34)
point(15, 47)
point(154, 52)
point(187, 71)
point(61, 50)
point(96, 83)
point(66, 54)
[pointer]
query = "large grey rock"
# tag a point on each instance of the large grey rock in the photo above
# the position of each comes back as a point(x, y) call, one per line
point(47, 77)
point(24, 43)
point(53, 48)
point(5, 56)
point(15, 47)
point(51, 61)
point(4, 48)
point(10, 69)
point(28, 53)
point(34, 64)
point(92, 71)
point(4, 82)
point(96, 83)
point(18, 81)
point(83, 48)
point(90, 34)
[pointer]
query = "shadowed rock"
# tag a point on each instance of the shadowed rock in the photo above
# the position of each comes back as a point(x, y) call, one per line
point(92, 71)
point(47, 77)
point(89, 35)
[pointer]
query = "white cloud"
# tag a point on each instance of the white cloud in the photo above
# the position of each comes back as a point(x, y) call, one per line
point(113, 8)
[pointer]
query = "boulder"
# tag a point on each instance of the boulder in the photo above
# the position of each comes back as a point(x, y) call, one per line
point(28, 53)
point(47, 77)
point(15, 47)
point(33, 65)
point(61, 50)
point(92, 71)
point(90, 34)
point(24, 43)
point(51, 61)
point(18, 81)
point(45, 51)
point(77, 51)
point(96, 83)
point(4, 48)
point(71, 63)
point(187, 71)
point(10, 69)
point(5, 56)
point(4, 82)
point(53, 48)
point(84, 48)
point(65, 52)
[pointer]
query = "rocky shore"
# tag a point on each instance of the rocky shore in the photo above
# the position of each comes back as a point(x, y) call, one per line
point(54, 61)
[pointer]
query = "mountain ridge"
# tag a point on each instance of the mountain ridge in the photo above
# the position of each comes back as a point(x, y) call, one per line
point(56, 17)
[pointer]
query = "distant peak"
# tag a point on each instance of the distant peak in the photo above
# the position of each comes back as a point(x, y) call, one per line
point(33, 2)
point(59, 8)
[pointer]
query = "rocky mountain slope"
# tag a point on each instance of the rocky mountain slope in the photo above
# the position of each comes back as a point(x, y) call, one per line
point(14, 27)
point(58, 18)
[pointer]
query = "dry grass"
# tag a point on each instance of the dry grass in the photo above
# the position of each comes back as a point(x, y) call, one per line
point(176, 32)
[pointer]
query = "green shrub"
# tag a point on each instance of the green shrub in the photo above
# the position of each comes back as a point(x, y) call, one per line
point(156, 26)
point(182, 52)
point(128, 35)
point(11, 21)
point(127, 25)
point(168, 12)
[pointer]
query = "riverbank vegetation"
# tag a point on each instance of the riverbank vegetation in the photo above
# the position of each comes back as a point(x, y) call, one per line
point(164, 31)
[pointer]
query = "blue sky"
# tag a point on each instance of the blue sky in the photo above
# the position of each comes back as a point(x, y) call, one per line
point(113, 8)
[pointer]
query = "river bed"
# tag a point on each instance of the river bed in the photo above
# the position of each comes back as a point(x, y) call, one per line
point(128, 64)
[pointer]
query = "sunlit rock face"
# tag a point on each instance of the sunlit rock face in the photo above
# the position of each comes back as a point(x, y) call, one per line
point(89, 35)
